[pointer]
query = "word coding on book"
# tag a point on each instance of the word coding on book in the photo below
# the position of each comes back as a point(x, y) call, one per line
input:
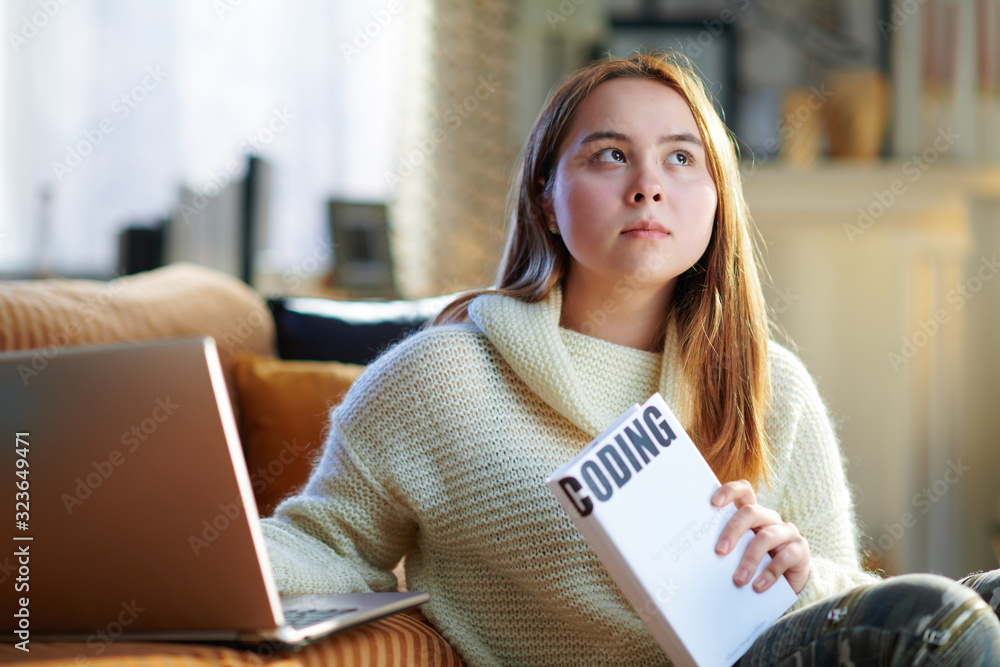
point(641, 436)
point(640, 495)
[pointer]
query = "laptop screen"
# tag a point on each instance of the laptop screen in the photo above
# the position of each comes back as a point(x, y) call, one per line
point(138, 509)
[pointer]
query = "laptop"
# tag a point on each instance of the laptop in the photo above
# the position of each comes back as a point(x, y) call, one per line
point(135, 516)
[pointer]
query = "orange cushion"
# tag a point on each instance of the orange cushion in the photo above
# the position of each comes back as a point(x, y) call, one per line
point(285, 407)
point(397, 641)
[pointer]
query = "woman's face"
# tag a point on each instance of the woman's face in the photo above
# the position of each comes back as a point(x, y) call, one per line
point(632, 195)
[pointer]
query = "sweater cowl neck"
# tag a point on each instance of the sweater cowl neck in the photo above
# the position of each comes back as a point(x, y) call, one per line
point(527, 335)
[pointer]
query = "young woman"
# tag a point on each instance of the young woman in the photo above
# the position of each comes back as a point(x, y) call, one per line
point(629, 269)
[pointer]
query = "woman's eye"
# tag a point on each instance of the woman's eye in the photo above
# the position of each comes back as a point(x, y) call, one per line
point(610, 155)
point(680, 157)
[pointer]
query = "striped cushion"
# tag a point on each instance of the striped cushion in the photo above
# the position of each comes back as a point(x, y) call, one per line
point(177, 300)
point(401, 640)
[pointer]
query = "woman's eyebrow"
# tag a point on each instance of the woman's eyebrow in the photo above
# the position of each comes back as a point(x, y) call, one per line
point(600, 135)
point(606, 134)
point(682, 136)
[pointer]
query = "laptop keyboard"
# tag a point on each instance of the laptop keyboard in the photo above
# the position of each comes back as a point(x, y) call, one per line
point(303, 618)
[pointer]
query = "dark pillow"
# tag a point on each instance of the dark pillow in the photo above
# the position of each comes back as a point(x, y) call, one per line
point(351, 332)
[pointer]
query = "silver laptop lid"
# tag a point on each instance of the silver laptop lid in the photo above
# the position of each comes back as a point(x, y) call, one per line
point(134, 516)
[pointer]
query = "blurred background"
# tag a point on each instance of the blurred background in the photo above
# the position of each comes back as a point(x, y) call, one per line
point(364, 149)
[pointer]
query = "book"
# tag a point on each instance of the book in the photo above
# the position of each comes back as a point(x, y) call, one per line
point(640, 493)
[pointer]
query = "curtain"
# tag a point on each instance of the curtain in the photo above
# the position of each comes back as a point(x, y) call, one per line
point(111, 107)
point(456, 153)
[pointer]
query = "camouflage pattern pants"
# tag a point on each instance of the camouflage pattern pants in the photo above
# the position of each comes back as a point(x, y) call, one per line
point(913, 619)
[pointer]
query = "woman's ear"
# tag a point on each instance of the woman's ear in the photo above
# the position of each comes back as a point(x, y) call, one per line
point(547, 209)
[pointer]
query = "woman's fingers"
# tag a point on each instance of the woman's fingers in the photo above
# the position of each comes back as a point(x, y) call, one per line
point(792, 561)
point(789, 550)
point(781, 539)
point(739, 492)
point(748, 517)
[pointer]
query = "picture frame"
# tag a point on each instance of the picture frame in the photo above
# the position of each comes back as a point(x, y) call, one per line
point(362, 261)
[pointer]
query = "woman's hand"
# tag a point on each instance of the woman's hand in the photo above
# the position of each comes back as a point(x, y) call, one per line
point(789, 550)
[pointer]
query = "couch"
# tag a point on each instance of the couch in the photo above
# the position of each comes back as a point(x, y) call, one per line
point(287, 362)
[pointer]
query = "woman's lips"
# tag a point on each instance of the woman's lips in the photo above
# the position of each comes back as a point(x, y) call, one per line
point(646, 230)
point(645, 234)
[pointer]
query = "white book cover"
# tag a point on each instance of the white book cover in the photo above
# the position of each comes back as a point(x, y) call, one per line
point(640, 493)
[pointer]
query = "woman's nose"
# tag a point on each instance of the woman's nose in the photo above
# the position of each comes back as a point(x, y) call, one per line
point(641, 194)
point(646, 186)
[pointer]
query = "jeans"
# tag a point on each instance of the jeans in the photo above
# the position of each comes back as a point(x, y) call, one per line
point(914, 619)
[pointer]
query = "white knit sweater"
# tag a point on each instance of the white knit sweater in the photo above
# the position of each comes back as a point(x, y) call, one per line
point(440, 451)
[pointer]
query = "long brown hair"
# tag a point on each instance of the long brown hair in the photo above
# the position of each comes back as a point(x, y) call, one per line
point(718, 306)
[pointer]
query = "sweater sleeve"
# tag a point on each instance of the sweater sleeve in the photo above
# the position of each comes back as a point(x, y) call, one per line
point(344, 532)
point(809, 487)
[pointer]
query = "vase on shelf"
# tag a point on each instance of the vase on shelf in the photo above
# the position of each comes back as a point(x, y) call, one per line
point(802, 127)
point(856, 112)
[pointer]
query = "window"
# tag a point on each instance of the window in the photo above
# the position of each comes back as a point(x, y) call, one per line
point(111, 107)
